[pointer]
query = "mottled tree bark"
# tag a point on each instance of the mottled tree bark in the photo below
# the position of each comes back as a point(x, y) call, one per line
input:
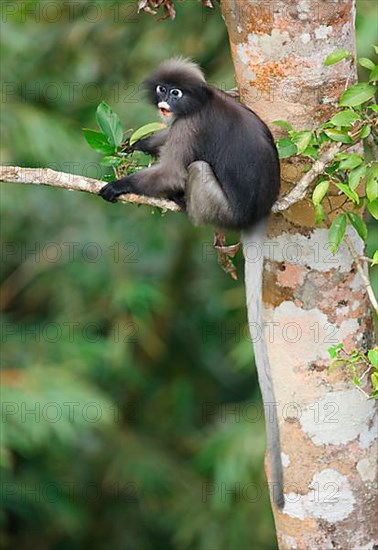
point(312, 299)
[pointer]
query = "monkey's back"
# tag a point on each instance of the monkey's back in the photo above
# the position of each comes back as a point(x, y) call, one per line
point(239, 147)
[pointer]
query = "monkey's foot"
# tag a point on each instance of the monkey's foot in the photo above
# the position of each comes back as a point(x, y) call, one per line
point(225, 253)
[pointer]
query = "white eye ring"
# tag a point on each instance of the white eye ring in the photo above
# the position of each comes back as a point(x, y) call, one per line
point(161, 89)
point(176, 92)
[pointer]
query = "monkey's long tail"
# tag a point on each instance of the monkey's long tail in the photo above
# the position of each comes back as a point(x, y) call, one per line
point(253, 248)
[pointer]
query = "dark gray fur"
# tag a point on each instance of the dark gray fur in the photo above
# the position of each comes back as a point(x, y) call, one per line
point(218, 161)
point(152, 144)
point(212, 127)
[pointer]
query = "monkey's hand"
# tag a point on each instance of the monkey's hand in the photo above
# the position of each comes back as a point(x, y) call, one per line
point(151, 144)
point(112, 190)
point(141, 145)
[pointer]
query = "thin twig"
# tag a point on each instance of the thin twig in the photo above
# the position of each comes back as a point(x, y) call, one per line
point(362, 273)
point(300, 190)
point(373, 147)
point(362, 391)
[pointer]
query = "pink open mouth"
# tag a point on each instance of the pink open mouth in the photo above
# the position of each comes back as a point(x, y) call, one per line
point(165, 112)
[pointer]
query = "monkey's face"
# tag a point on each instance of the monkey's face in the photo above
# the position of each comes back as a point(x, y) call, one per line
point(169, 101)
point(178, 88)
point(174, 101)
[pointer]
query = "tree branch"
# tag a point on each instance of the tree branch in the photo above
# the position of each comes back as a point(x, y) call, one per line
point(300, 190)
point(46, 176)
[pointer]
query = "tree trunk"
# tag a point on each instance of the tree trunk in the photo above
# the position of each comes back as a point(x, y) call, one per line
point(312, 299)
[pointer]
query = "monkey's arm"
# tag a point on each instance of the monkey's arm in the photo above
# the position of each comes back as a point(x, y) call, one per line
point(157, 181)
point(196, 190)
point(152, 144)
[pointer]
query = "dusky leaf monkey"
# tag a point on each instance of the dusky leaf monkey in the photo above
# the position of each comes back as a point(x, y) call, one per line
point(218, 161)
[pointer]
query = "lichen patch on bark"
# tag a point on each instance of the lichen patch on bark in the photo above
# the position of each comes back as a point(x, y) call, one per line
point(337, 418)
point(301, 334)
point(330, 498)
point(367, 467)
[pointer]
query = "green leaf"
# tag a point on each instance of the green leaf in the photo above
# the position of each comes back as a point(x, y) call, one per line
point(352, 195)
point(356, 176)
point(322, 138)
point(142, 159)
point(357, 94)
point(375, 258)
point(374, 383)
point(319, 213)
point(333, 350)
point(372, 183)
point(332, 168)
point(373, 208)
point(109, 124)
point(111, 161)
point(373, 77)
point(302, 140)
point(373, 108)
point(336, 56)
point(283, 124)
point(146, 130)
point(338, 363)
point(375, 48)
point(341, 156)
point(350, 161)
point(356, 356)
point(286, 148)
point(320, 192)
point(311, 152)
point(338, 135)
point(336, 232)
point(358, 224)
point(98, 141)
point(373, 357)
point(366, 62)
point(345, 118)
point(365, 132)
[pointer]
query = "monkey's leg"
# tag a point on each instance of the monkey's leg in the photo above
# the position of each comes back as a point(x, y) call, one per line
point(206, 203)
point(205, 199)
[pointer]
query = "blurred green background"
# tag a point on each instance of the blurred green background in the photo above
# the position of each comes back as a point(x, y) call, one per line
point(128, 386)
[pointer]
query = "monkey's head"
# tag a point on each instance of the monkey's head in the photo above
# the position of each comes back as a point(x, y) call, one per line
point(178, 88)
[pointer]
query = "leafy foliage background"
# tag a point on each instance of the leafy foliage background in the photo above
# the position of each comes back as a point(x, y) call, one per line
point(127, 375)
